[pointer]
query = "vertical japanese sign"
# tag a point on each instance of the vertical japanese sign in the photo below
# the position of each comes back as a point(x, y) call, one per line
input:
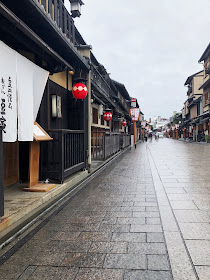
point(8, 98)
point(135, 114)
point(22, 85)
point(143, 124)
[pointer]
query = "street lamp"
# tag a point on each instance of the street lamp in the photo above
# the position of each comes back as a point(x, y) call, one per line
point(76, 7)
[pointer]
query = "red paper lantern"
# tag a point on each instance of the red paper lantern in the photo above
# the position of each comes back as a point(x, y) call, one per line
point(79, 91)
point(124, 123)
point(107, 116)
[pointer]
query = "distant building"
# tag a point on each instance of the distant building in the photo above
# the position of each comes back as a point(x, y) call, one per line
point(158, 123)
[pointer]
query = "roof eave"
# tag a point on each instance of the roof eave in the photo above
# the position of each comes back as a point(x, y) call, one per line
point(205, 53)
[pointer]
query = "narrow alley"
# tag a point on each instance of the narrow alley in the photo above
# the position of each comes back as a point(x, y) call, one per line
point(146, 216)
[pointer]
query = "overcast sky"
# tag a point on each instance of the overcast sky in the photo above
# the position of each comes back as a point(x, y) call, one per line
point(149, 46)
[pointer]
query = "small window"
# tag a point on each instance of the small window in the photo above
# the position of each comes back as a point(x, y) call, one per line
point(102, 120)
point(95, 116)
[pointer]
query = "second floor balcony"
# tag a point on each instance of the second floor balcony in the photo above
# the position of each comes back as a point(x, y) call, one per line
point(60, 15)
point(51, 21)
point(100, 83)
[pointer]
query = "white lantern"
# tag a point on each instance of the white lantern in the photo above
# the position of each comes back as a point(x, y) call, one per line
point(76, 7)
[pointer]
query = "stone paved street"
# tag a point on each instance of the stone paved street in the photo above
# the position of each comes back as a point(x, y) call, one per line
point(147, 216)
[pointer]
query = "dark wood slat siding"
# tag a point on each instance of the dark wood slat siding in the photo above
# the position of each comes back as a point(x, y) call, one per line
point(1, 178)
point(85, 139)
point(72, 118)
point(50, 7)
point(61, 15)
point(65, 22)
point(62, 156)
point(69, 34)
point(43, 2)
point(73, 32)
point(56, 11)
point(105, 144)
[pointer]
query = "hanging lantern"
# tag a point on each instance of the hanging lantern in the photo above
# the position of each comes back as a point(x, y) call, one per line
point(107, 116)
point(79, 91)
point(76, 7)
point(124, 123)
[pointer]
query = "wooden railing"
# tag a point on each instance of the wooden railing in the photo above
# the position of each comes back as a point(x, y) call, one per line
point(64, 155)
point(104, 144)
point(97, 145)
point(100, 82)
point(112, 144)
point(126, 140)
point(61, 16)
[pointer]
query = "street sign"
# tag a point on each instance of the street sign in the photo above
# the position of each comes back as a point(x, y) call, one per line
point(135, 112)
point(133, 102)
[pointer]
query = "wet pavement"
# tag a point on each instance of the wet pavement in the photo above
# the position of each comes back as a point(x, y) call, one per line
point(147, 216)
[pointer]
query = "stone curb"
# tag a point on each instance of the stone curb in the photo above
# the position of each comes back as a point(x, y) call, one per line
point(181, 265)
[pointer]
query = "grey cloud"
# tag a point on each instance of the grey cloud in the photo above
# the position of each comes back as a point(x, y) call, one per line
point(150, 46)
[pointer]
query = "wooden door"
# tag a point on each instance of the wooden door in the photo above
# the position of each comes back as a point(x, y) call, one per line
point(11, 163)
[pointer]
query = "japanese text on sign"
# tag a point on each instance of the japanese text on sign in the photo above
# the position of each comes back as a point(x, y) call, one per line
point(6, 100)
point(135, 114)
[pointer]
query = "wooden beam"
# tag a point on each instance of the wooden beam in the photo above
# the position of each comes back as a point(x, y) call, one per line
point(50, 8)
point(61, 14)
point(34, 152)
point(65, 21)
point(56, 11)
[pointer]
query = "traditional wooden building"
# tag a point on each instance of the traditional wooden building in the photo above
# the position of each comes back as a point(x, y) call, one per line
point(56, 62)
point(123, 101)
point(205, 116)
point(192, 105)
point(108, 136)
point(49, 56)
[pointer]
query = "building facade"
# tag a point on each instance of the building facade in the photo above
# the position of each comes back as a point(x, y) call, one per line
point(54, 56)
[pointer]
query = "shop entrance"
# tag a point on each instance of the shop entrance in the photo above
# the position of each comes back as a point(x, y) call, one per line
point(16, 162)
point(11, 163)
